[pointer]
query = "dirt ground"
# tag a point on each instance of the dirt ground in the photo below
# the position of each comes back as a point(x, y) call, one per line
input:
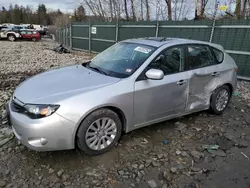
point(179, 153)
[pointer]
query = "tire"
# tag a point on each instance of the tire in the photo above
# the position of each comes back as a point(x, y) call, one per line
point(215, 108)
point(87, 127)
point(33, 39)
point(11, 37)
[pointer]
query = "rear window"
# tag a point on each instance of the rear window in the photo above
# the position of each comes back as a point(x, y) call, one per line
point(219, 55)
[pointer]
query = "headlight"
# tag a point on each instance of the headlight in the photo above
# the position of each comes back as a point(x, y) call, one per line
point(36, 111)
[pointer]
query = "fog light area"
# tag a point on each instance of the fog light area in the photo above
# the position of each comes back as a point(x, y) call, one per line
point(37, 142)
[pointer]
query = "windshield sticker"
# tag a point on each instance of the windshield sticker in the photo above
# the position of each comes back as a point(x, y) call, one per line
point(143, 50)
point(128, 70)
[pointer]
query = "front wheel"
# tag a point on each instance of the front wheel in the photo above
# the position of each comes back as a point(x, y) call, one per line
point(33, 39)
point(99, 132)
point(220, 99)
point(11, 38)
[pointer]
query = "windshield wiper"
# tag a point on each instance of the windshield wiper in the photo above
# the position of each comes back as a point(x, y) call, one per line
point(98, 70)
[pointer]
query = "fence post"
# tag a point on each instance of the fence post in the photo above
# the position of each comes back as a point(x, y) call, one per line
point(157, 29)
point(64, 31)
point(60, 36)
point(70, 36)
point(116, 32)
point(65, 36)
point(89, 37)
point(214, 17)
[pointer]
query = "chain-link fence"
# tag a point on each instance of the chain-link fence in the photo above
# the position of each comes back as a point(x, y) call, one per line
point(233, 35)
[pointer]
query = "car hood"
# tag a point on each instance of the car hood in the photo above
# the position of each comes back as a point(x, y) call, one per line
point(60, 81)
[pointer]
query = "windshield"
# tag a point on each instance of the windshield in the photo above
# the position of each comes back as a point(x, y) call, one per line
point(122, 59)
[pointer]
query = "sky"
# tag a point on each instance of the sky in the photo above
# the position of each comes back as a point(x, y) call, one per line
point(64, 5)
point(68, 6)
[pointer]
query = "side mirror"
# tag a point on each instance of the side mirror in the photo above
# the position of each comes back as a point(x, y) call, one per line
point(155, 74)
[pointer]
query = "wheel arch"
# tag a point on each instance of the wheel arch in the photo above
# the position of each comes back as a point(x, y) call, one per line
point(9, 34)
point(230, 86)
point(115, 109)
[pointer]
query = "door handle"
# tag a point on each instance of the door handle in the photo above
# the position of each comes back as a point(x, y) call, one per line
point(181, 82)
point(215, 73)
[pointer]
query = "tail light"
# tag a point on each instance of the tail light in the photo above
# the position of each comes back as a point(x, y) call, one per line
point(236, 69)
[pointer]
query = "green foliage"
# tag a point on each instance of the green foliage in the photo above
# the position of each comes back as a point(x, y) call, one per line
point(80, 14)
point(18, 14)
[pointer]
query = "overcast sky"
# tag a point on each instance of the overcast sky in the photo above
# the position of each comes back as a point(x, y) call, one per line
point(64, 5)
point(70, 5)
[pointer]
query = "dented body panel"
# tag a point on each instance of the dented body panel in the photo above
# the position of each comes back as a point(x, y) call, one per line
point(203, 83)
point(159, 100)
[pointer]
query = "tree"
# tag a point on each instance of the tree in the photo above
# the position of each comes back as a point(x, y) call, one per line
point(80, 14)
point(169, 4)
point(4, 15)
point(147, 10)
point(133, 10)
point(11, 14)
point(244, 8)
point(237, 9)
point(203, 6)
point(17, 15)
point(28, 16)
point(126, 9)
point(111, 8)
point(42, 14)
point(141, 5)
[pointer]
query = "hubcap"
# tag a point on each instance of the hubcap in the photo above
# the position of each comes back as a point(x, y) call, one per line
point(101, 133)
point(11, 38)
point(222, 100)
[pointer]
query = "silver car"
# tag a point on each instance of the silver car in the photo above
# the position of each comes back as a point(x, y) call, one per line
point(133, 84)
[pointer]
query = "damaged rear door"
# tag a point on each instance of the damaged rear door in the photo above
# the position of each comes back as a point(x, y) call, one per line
point(205, 71)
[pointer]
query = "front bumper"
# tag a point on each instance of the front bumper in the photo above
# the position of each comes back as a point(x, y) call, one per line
point(46, 134)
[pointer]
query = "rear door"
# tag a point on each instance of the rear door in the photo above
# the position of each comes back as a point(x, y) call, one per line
point(29, 34)
point(24, 34)
point(205, 72)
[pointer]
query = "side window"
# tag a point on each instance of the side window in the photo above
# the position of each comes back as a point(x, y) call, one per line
point(169, 60)
point(218, 55)
point(23, 32)
point(29, 32)
point(198, 56)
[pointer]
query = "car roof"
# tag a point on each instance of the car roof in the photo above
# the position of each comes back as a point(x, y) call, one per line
point(160, 41)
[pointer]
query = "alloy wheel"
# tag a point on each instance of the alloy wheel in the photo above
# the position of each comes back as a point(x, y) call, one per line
point(222, 100)
point(101, 133)
point(11, 38)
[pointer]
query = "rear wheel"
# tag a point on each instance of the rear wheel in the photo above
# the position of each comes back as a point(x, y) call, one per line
point(220, 99)
point(11, 37)
point(33, 39)
point(99, 132)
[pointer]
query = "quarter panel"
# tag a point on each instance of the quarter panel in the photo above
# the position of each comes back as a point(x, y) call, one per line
point(202, 84)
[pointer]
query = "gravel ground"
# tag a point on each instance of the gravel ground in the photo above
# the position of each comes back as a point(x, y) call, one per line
point(176, 153)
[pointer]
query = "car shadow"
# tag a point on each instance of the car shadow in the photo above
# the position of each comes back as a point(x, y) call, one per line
point(139, 139)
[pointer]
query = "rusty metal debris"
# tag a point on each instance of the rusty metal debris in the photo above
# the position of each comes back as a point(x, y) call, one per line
point(245, 155)
point(61, 49)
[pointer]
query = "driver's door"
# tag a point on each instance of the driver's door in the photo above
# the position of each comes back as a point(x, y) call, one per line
point(159, 99)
